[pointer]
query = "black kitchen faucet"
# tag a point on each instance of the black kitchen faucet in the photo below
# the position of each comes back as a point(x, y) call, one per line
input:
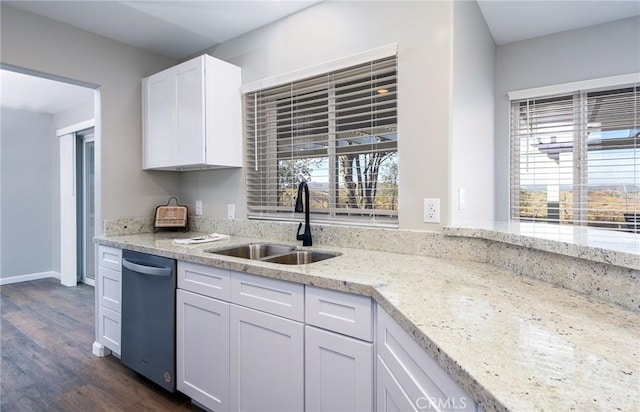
point(306, 236)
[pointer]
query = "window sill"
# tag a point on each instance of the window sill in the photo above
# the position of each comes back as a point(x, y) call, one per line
point(598, 245)
point(321, 220)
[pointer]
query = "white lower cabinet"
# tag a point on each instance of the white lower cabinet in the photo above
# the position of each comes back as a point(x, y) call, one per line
point(202, 349)
point(267, 363)
point(234, 358)
point(338, 372)
point(263, 351)
point(109, 329)
point(109, 291)
point(405, 368)
point(389, 395)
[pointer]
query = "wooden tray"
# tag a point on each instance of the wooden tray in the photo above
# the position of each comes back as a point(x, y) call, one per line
point(174, 217)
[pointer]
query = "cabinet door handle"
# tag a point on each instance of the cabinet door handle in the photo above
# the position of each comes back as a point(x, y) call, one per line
point(147, 270)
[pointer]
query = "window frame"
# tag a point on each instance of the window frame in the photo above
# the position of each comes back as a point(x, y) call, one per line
point(582, 95)
point(263, 204)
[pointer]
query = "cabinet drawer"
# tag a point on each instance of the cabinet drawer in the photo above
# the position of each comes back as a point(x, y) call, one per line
point(109, 328)
point(205, 280)
point(110, 257)
point(110, 288)
point(274, 296)
point(420, 376)
point(340, 312)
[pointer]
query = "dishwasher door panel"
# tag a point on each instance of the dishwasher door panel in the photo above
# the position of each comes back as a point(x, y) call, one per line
point(148, 316)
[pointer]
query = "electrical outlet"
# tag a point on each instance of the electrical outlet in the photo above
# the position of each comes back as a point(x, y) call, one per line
point(432, 210)
point(231, 211)
point(198, 207)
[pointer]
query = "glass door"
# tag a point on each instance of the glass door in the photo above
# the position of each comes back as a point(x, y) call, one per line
point(86, 207)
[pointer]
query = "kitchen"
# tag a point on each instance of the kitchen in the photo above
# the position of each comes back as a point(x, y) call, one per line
point(422, 32)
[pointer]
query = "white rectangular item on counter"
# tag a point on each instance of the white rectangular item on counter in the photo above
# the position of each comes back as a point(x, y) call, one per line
point(201, 239)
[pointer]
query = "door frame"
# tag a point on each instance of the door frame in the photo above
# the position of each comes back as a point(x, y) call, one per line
point(68, 212)
point(85, 249)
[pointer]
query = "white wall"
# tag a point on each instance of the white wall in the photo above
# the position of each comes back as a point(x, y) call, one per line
point(31, 189)
point(472, 120)
point(28, 145)
point(594, 52)
point(36, 43)
point(78, 114)
point(331, 30)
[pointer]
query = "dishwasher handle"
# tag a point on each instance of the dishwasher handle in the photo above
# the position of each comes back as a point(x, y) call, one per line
point(147, 270)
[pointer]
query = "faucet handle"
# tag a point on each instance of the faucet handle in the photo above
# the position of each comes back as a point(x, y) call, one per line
point(298, 235)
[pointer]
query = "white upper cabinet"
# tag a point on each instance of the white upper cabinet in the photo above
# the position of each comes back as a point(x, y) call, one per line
point(192, 116)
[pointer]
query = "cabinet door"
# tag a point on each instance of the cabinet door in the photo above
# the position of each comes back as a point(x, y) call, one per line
point(109, 328)
point(158, 111)
point(419, 375)
point(389, 395)
point(202, 349)
point(266, 362)
point(110, 288)
point(189, 109)
point(338, 372)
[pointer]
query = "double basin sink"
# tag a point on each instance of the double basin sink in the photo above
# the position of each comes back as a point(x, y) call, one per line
point(265, 252)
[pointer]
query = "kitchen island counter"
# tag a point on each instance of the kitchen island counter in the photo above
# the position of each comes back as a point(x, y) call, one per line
point(513, 342)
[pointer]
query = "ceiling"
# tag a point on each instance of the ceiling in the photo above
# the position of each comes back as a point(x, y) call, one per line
point(175, 29)
point(178, 29)
point(514, 20)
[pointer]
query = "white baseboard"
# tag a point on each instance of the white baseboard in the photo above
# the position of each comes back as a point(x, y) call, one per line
point(30, 276)
point(100, 350)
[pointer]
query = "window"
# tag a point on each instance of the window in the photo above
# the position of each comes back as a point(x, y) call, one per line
point(575, 158)
point(336, 131)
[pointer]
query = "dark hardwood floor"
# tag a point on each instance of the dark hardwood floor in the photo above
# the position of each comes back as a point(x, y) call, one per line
point(47, 332)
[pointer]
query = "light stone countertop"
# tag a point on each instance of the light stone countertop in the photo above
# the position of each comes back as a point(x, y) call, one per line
point(606, 246)
point(513, 342)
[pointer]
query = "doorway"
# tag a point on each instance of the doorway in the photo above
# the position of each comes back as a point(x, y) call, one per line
point(54, 107)
point(78, 203)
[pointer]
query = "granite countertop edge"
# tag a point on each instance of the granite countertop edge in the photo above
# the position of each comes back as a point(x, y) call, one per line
point(597, 253)
point(381, 275)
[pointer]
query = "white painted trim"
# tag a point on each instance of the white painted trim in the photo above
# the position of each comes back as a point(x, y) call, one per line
point(332, 65)
point(68, 252)
point(100, 350)
point(565, 88)
point(76, 127)
point(30, 276)
point(97, 182)
point(97, 173)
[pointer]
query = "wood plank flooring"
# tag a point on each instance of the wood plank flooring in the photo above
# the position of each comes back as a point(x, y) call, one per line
point(46, 334)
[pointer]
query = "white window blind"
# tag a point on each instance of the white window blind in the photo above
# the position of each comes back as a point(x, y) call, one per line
point(575, 158)
point(336, 131)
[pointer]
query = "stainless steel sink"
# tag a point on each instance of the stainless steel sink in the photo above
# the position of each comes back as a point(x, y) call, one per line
point(301, 257)
point(267, 252)
point(254, 251)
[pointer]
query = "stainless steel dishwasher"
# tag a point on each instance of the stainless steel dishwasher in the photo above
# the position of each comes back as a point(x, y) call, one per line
point(148, 316)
